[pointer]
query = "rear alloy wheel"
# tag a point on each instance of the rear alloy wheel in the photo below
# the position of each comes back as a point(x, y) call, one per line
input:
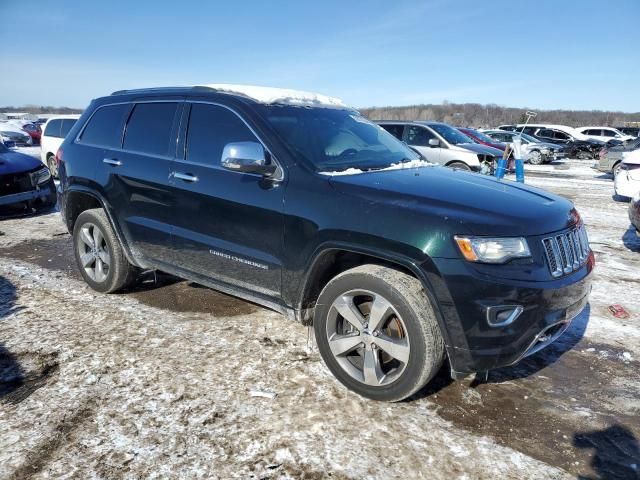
point(535, 157)
point(459, 166)
point(53, 166)
point(98, 253)
point(377, 332)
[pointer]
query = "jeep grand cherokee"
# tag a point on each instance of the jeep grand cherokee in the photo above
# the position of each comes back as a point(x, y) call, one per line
point(297, 202)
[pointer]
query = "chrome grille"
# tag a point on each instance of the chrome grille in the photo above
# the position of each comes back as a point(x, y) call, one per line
point(567, 251)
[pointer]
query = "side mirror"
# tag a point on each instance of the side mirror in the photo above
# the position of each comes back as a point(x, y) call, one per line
point(247, 157)
point(434, 142)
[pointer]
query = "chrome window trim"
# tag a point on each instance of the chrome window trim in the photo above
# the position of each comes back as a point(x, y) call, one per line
point(279, 176)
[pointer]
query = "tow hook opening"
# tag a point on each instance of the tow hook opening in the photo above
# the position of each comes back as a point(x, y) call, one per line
point(503, 315)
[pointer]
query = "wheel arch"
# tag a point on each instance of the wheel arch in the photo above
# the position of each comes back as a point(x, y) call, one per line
point(331, 260)
point(78, 200)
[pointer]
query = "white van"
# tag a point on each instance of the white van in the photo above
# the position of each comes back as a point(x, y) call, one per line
point(53, 133)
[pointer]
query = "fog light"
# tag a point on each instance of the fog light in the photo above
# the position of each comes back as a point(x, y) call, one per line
point(503, 315)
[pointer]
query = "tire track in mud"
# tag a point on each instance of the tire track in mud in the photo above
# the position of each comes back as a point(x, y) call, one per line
point(576, 409)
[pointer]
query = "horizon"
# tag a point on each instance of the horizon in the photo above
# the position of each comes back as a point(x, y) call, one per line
point(481, 53)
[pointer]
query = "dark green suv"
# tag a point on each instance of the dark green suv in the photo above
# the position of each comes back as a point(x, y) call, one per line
point(296, 202)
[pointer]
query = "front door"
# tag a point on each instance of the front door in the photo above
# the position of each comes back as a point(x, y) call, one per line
point(226, 225)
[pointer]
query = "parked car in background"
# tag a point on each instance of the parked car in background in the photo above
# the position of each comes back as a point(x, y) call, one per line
point(295, 201)
point(54, 132)
point(632, 131)
point(536, 152)
point(604, 134)
point(627, 178)
point(443, 144)
point(12, 133)
point(578, 145)
point(483, 139)
point(611, 158)
point(25, 184)
point(34, 131)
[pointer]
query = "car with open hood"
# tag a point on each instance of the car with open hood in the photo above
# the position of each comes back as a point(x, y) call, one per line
point(536, 151)
point(297, 202)
point(25, 184)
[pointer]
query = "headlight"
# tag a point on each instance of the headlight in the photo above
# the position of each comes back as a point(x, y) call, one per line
point(41, 176)
point(492, 250)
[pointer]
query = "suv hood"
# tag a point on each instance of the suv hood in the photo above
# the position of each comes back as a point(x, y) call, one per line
point(14, 162)
point(479, 148)
point(467, 202)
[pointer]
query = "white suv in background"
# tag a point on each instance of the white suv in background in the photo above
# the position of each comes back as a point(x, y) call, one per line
point(53, 133)
point(604, 134)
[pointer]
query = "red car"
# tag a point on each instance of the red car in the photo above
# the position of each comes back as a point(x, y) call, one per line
point(34, 131)
point(482, 138)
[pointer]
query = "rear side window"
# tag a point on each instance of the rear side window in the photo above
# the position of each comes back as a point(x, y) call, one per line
point(149, 128)
point(53, 128)
point(608, 133)
point(545, 132)
point(210, 128)
point(67, 124)
point(105, 126)
point(395, 130)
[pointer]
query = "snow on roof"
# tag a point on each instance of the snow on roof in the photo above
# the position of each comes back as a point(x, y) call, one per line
point(278, 95)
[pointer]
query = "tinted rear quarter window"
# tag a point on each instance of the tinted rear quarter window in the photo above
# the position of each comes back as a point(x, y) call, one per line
point(395, 130)
point(67, 124)
point(53, 128)
point(105, 126)
point(210, 128)
point(149, 128)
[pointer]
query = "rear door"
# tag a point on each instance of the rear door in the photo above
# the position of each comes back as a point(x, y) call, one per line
point(228, 225)
point(418, 137)
point(135, 175)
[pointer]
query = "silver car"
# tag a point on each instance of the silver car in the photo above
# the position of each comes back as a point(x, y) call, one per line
point(443, 144)
point(611, 158)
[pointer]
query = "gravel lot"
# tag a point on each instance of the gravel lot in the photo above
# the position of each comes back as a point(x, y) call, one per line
point(173, 379)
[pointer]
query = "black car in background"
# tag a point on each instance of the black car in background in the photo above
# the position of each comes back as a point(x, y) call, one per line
point(25, 184)
point(576, 145)
point(299, 203)
point(633, 131)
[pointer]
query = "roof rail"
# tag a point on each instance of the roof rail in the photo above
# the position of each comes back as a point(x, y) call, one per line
point(158, 89)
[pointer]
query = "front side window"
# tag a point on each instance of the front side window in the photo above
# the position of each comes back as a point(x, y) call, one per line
point(211, 127)
point(608, 133)
point(105, 126)
point(149, 128)
point(419, 136)
point(53, 128)
point(332, 139)
point(561, 136)
point(545, 132)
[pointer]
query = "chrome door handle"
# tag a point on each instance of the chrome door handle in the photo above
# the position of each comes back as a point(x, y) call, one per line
point(185, 176)
point(112, 161)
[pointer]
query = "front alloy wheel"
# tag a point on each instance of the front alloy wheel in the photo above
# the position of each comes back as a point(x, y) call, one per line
point(367, 337)
point(377, 332)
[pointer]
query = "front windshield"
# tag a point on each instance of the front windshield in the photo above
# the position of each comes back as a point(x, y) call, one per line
point(450, 134)
point(336, 139)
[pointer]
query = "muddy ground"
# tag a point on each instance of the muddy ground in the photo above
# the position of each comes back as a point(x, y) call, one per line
point(160, 381)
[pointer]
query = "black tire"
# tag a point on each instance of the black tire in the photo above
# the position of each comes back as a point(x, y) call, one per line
point(53, 166)
point(536, 158)
point(406, 296)
point(459, 166)
point(120, 273)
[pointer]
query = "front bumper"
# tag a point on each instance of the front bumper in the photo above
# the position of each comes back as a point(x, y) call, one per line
point(17, 203)
point(473, 344)
point(627, 183)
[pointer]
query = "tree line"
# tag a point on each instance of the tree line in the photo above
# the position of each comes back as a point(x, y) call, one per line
point(487, 116)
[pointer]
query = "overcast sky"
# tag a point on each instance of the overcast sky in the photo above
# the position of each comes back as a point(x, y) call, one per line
point(545, 54)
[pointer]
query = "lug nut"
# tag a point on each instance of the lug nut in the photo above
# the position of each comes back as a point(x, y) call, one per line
point(375, 334)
